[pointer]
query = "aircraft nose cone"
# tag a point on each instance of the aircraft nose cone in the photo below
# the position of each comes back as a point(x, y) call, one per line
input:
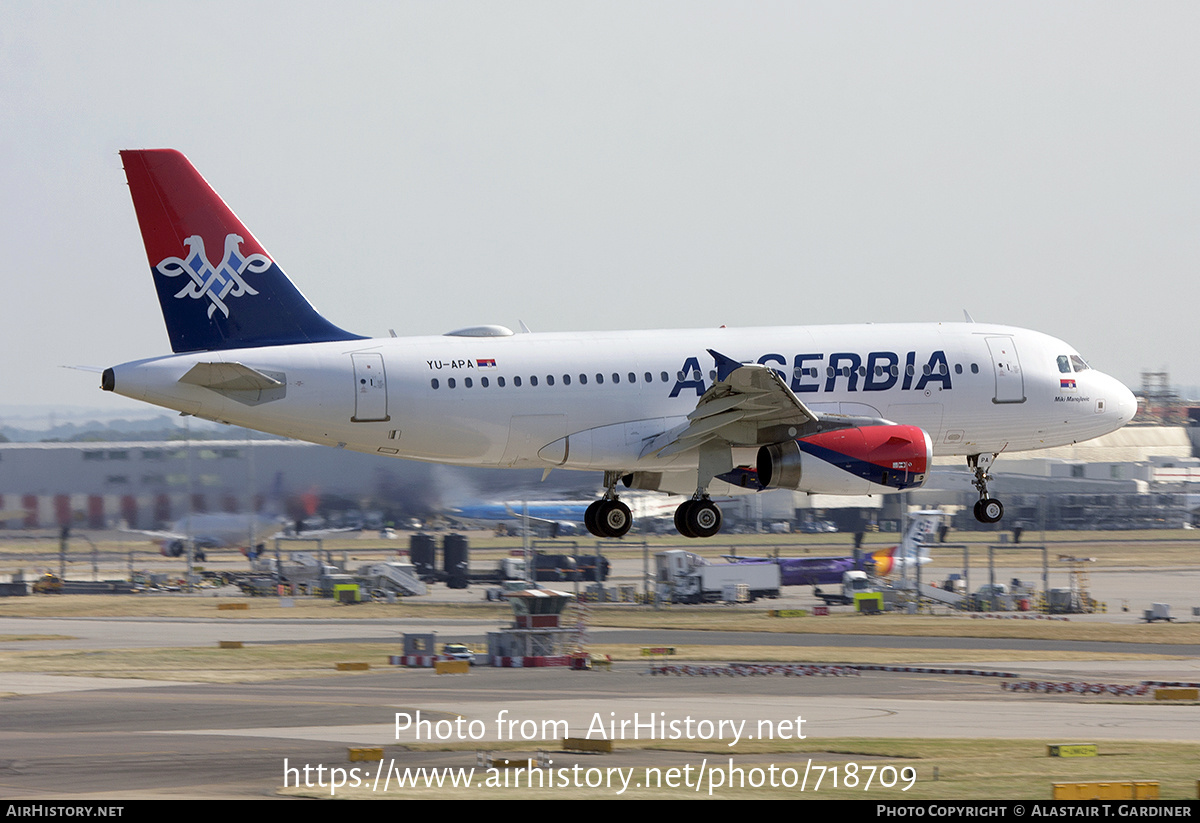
point(1125, 402)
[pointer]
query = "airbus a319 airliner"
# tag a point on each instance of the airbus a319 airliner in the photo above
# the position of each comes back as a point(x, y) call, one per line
point(820, 409)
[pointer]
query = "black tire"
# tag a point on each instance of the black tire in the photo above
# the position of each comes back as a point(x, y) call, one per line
point(590, 519)
point(989, 510)
point(614, 519)
point(681, 518)
point(703, 519)
point(993, 510)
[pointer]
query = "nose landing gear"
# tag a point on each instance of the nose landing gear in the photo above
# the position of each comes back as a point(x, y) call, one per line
point(988, 509)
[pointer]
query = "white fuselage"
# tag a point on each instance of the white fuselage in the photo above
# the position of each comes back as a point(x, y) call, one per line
point(595, 400)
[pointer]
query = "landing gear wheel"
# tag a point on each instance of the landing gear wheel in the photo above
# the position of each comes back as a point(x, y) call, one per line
point(590, 519)
point(613, 518)
point(682, 519)
point(698, 518)
point(989, 510)
point(703, 518)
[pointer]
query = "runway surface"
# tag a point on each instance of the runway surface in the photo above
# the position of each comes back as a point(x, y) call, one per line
point(68, 737)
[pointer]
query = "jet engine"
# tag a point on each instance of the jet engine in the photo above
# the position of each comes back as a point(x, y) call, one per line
point(863, 460)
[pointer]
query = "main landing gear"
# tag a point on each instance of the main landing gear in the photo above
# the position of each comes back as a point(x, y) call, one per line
point(608, 516)
point(988, 509)
point(698, 517)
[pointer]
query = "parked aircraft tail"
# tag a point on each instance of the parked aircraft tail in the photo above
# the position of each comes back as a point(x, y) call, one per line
point(240, 299)
point(912, 550)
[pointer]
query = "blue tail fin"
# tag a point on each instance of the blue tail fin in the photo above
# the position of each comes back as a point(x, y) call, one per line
point(240, 300)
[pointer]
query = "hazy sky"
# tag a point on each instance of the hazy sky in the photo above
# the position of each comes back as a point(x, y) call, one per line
point(426, 166)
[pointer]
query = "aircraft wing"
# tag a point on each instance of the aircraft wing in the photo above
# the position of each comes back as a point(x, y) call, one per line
point(748, 404)
point(217, 531)
point(263, 535)
point(156, 535)
point(533, 519)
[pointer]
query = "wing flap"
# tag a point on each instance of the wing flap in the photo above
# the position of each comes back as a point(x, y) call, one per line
point(745, 399)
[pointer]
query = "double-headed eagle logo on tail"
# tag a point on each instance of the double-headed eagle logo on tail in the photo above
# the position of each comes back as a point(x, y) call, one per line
point(217, 283)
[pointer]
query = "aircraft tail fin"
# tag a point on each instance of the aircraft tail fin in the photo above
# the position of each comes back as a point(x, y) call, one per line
point(912, 549)
point(922, 530)
point(239, 299)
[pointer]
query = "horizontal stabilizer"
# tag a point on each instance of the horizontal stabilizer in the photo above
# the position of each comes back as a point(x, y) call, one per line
point(228, 377)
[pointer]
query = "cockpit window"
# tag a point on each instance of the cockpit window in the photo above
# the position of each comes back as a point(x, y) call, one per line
point(1079, 364)
point(1064, 364)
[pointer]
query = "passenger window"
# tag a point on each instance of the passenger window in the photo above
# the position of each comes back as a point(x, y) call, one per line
point(649, 377)
point(616, 377)
point(566, 379)
point(583, 379)
point(517, 382)
point(450, 382)
point(599, 378)
point(500, 382)
point(483, 381)
point(434, 382)
point(533, 380)
point(665, 379)
point(468, 382)
point(549, 380)
point(974, 368)
point(632, 377)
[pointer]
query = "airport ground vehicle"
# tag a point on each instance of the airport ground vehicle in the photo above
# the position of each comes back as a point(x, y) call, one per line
point(48, 583)
point(853, 582)
point(458, 651)
point(684, 577)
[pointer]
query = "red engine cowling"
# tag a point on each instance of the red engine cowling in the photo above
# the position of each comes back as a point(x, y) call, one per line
point(866, 460)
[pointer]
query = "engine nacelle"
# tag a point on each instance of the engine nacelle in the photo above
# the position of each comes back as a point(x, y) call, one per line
point(864, 460)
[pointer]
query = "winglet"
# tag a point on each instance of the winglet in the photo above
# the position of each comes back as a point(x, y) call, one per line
point(725, 365)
